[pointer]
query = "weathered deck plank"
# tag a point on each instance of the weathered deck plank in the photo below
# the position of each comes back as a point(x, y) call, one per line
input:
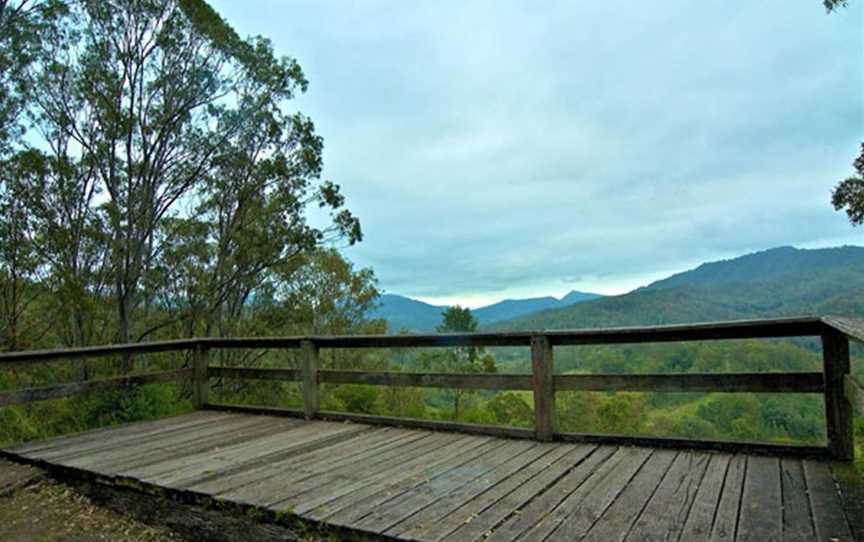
point(492, 508)
point(408, 503)
point(415, 484)
point(726, 516)
point(596, 465)
point(188, 447)
point(154, 449)
point(404, 471)
point(617, 520)
point(664, 515)
point(357, 501)
point(797, 519)
point(337, 453)
point(415, 474)
point(828, 517)
point(761, 515)
point(175, 472)
point(591, 501)
point(441, 513)
point(700, 519)
point(286, 490)
point(110, 437)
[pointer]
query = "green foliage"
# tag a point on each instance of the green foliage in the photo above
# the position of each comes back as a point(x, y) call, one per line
point(403, 402)
point(457, 319)
point(832, 5)
point(621, 413)
point(578, 412)
point(19, 265)
point(23, 24)
point(510, 409)
point(685, 425)
point(738, 416)
point(465, 359)
point(127, 405)
point(135, 108)
point(848, 195)
point(328, 296)
point(45, 419)
point(359, 399)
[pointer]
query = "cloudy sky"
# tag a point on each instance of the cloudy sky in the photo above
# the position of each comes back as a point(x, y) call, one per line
point(508, 149)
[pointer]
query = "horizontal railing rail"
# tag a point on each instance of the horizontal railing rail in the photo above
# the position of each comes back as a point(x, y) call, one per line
point(62, 354)
point(839, 388)
point(8, 398)
point(779, 382)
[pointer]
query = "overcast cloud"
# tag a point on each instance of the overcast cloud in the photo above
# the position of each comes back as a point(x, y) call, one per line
point(496, 149)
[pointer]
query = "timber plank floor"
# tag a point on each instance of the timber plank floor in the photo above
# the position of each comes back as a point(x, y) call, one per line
point(423, 485)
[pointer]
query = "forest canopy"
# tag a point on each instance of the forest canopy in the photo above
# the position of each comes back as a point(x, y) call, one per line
point(154, 180)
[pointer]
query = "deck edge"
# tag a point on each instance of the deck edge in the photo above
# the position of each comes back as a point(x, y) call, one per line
point(132, 487)
point(745, 447)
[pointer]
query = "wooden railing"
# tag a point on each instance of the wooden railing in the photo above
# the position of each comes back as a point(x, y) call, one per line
point(841, 391)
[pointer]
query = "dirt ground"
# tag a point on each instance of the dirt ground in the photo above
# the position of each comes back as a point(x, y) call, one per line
point(46, 510)
point(35, 507)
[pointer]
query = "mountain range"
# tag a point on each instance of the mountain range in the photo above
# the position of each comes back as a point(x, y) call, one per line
point(764, 265)
point(404, 313)
point(783, 281)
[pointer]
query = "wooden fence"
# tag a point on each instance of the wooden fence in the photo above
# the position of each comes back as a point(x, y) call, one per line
point(841, 391)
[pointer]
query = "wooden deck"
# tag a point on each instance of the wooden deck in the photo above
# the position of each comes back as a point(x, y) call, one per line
point(425, 485)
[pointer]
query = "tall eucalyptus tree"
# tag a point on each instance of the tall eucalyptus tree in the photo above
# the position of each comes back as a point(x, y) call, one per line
point(181, 126)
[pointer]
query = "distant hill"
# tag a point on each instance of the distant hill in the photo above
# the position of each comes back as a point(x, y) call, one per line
point(404, 313)
point(779, 282)
point(513, 308)
point(764, 265)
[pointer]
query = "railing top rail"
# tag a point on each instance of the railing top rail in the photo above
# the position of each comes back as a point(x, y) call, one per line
point(852, 327)
point(95, 351)
point(740, 329)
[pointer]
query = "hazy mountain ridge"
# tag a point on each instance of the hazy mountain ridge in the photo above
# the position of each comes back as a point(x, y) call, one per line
point(406, 313)
point(512, 308)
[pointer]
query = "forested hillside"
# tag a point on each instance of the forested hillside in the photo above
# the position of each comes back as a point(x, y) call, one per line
point(765, 266)
point(830, 281)
point(816, 290)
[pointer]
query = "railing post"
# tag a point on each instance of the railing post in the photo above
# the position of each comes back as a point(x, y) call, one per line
point(200, 378)
point(544, 390)
point(309, 353)
point(838, 410)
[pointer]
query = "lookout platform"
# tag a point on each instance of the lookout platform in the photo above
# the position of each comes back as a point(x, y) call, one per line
point(413, 479)
point(417, 484)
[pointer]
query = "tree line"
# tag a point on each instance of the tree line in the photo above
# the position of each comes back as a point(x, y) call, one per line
point(154, 180)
